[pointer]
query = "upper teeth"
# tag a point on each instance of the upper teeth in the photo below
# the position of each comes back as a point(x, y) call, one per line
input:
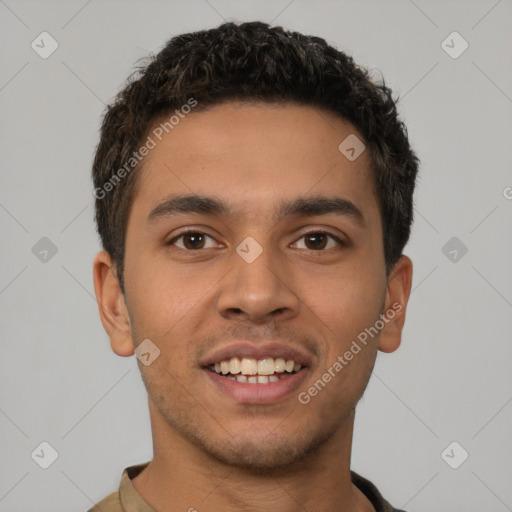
point(249, 366)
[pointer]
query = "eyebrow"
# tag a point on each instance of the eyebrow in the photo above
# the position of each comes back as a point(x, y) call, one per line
point(208, 205)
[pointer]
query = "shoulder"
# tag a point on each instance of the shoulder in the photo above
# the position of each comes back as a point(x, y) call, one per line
point(111, 503)
point(373, 494)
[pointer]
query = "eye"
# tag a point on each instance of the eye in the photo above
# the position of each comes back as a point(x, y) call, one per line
point(191, 241)
point(319, 240)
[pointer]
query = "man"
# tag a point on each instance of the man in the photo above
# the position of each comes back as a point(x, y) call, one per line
point(253, 197)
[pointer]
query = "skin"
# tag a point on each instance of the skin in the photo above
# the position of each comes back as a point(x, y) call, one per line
point(210, 452)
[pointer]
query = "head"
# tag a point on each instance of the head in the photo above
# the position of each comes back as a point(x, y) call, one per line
point(236, 135)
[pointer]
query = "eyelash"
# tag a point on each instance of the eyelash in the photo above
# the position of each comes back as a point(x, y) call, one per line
point(340, 242)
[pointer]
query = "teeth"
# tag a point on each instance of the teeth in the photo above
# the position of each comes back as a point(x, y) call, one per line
point(280, 365)
point(235, 366)
point(249, 366)
point(247, 369)
point(224, 367)
point(266, 366)
point(255, 379)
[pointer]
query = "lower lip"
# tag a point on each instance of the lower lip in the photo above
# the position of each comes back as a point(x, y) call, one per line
point(258, 393)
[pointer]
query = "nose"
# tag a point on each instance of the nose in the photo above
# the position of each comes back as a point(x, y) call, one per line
point(259, 291)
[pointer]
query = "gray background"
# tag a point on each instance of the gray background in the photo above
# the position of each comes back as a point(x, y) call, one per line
point(450, 380)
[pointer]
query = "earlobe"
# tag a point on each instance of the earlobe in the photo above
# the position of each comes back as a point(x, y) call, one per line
point(112, 307)
point(397, 296)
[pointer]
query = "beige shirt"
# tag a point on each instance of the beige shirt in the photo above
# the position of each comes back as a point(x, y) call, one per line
point(127, 499)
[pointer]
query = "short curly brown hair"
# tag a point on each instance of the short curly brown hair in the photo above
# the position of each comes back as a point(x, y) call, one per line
point(253, 62)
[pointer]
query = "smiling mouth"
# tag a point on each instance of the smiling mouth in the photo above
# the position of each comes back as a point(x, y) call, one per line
point(247, 370)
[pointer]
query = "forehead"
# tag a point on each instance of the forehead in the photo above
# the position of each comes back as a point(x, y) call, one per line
point(254, 156)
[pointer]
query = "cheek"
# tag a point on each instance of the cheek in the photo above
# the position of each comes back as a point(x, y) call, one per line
point(348, 304)
point(161, 295)
point(168, 307)
point(347, 353)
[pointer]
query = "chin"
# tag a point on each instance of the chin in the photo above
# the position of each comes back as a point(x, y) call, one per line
point(270, 453)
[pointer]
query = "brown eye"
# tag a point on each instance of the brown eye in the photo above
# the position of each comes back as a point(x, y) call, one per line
point(316, 241)
point(319, 241)
point(191, 241)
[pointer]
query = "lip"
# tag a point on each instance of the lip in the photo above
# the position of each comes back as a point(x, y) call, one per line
point(261, 351)
point(259, 394)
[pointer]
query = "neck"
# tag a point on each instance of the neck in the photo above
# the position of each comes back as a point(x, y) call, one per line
point(183, 477)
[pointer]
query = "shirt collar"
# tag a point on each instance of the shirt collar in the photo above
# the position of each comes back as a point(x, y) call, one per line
point(132, 501)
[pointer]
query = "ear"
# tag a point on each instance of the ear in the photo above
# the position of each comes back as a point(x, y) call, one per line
point(397, 296)
point(112, 307)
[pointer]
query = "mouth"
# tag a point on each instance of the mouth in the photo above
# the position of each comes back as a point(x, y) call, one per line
point(248, 370)
point(262, 374)
point(257, 375)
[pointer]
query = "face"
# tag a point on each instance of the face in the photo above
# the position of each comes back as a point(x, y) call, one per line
point(255, 290)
